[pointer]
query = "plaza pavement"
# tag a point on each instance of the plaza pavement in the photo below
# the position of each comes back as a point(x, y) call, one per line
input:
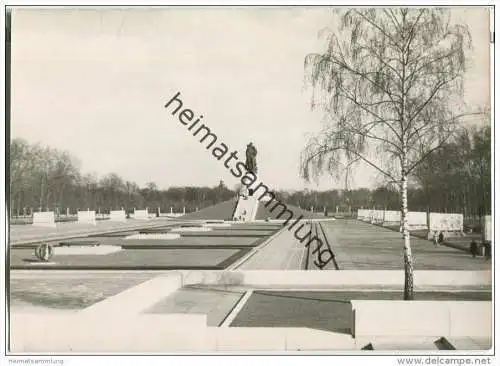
point(22, 234)
point(242, 319)
point(281, 251)
point(357, 246)
point(361, 246)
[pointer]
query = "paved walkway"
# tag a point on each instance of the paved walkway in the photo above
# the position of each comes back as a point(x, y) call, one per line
point(283, 252)
point(28, 233)
point(361, 246)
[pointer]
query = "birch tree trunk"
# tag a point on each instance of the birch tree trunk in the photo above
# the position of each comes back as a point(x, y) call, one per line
point(407, 255)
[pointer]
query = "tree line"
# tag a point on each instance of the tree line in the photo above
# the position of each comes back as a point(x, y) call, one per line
point(47, 179)
point(456, 178)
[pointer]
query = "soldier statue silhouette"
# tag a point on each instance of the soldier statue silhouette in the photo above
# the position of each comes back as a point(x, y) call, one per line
point(251, 162)
point(251, 158)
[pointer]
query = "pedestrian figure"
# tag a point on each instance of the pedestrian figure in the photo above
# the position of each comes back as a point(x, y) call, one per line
point(435, 239)
point(473, 248)
point(487, 250)
point(440, 237)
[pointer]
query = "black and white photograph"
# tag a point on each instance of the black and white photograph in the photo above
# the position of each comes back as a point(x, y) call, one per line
point(239, 179)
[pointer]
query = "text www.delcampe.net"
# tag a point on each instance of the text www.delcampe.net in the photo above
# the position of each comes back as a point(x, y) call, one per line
point(438, 360)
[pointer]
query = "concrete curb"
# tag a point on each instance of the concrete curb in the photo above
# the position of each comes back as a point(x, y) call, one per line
point(138, 298)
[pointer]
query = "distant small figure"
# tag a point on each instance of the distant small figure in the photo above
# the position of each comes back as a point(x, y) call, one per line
point(435, 239)
point(487, 250)
point(441, 238)
point(473, 248)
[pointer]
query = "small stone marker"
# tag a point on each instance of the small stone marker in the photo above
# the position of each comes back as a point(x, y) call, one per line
point(118, 215)
point(486, 228)
point(45, 219)
point(44, 252)
point(86, 217)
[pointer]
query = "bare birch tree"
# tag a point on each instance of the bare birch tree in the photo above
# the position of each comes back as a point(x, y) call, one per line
point(391, 85)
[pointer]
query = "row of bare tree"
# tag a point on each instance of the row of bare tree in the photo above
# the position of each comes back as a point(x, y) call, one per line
point(456, 179)
point(42, 178)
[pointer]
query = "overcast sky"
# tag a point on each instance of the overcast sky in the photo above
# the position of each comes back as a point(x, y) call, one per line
point(94, 83)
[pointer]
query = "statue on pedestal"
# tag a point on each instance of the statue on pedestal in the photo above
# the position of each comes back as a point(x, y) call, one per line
point(250, 165)
point(251, 158)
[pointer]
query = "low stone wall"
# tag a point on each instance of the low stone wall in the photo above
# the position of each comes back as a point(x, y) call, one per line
point(117, 332)
point(376, 318)
point(393, 279)
point(120, 324)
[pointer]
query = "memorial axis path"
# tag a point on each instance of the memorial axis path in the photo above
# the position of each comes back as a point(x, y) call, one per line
point(362, 246)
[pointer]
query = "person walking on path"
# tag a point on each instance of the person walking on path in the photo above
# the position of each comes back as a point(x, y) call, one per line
point(487, 250)
point(473, 248)
point(435, 239)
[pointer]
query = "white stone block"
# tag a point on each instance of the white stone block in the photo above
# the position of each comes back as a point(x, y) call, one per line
point(86, 217)
point(190, 229)
point(446, 222)
point(44, 219)
point(486, 228)
point(118, 332)
point(118, 215)
point(399, 318)
point(141, 215)
point(392, 217)
point(417, 220)
point(87, 250)
point(160, 236)
point(385, 318)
